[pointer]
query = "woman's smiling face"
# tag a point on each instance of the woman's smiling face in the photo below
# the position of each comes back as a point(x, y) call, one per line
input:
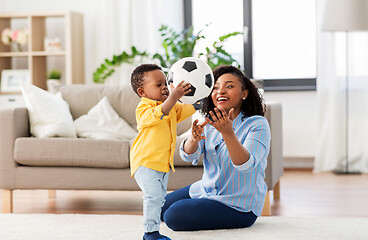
point(228, 93)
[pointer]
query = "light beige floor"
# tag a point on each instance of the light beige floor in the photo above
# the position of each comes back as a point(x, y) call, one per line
point(302, 194)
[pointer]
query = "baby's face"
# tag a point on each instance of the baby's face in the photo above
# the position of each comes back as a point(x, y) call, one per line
point(154, 86)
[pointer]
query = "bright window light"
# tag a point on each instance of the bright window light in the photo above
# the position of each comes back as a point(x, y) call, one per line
point(223, 19)
point(284, 39)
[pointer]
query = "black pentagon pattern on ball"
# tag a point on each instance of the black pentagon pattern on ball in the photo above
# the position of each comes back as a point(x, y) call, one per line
point(190, 66)
point(208, 81)
point(170, 78)
point(192, 92)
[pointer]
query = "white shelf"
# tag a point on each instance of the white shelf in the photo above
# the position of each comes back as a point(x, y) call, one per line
point(13, 54)
point(48, 53)
point(35, 55)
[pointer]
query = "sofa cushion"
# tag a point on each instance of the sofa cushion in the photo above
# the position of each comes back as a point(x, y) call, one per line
point(49, 115)
point(72, 152)
point(102, 122)
point(81, 98)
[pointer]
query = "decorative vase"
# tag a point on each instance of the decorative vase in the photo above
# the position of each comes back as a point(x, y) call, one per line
point(17, 47)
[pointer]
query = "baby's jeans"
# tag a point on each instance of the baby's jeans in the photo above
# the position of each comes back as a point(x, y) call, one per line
point(154, 186)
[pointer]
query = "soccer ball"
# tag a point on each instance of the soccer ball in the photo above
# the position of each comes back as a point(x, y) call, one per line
point(197, 73)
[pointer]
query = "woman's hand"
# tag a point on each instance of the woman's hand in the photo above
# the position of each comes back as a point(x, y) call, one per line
point(197, 130)
point(191, 144)
point(222, 121)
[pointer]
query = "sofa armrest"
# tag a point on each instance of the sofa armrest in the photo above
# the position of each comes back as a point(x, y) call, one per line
point(275, 163)
point(13, 123)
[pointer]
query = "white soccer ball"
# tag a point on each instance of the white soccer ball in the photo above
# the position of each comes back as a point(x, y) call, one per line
point(194, 71)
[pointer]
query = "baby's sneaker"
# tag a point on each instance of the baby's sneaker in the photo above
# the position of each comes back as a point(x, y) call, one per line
point(155, 236)
point(164, 237)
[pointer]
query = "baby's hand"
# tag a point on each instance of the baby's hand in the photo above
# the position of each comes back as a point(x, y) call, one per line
point(180, 90)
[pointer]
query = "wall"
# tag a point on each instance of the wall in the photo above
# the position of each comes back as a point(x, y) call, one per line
point(300, 131)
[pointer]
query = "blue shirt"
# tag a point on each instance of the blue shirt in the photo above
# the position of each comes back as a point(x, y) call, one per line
point(240, 187)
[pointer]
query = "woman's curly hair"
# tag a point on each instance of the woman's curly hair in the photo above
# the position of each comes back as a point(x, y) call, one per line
point(252, 105)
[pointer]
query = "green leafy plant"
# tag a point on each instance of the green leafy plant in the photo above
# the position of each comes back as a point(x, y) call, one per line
point(54, 74)
point(176, 45)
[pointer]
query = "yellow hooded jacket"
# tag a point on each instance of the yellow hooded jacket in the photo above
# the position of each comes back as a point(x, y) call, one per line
point(155, 144)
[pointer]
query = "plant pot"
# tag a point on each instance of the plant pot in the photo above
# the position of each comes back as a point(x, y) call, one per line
point(52, 83)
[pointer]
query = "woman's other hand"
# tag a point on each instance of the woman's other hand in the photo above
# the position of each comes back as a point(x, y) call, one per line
point(197, 130)
point(191, 144)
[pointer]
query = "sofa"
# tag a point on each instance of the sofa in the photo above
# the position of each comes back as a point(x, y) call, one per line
point(59, 163)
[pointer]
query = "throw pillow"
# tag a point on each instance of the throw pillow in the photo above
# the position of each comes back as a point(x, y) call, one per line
point(49, 114)
point(102, 122)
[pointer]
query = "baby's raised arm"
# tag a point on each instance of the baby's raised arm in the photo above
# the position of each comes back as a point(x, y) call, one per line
point(175, 94)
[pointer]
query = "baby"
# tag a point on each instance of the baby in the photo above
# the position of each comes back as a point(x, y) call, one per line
point(152, 152)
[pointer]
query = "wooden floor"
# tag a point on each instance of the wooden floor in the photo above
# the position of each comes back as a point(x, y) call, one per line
point(302, 194)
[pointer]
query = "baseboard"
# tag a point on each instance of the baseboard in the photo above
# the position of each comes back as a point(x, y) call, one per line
point(298, 162)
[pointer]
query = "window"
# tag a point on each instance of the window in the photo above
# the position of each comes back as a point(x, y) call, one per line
point(218, 26)
point(280, 37)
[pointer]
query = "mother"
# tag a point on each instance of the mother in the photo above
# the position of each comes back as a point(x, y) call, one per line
point(235, 145)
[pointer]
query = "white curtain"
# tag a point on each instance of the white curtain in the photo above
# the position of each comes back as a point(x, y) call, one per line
point(334, 58)
point(122, 24)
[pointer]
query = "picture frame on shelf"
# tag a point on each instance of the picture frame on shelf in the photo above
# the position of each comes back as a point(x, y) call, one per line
point(52, 44)
point(11, 80)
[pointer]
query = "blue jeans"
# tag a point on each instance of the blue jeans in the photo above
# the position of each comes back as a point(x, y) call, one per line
point(182, 213)
point(154, 186)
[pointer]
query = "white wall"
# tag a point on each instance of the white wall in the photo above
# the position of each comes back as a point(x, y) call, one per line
point(299, 112)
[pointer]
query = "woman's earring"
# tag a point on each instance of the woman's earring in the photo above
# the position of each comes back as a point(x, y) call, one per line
point(243, 98)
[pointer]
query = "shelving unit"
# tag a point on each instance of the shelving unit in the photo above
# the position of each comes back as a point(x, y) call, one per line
point(66, 25)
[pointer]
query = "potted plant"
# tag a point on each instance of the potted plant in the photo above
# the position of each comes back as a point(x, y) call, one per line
point(53, 78)
point(176, 45)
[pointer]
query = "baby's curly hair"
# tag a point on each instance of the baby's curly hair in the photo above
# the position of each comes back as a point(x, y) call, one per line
point(252, 105)
point(136, 78)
